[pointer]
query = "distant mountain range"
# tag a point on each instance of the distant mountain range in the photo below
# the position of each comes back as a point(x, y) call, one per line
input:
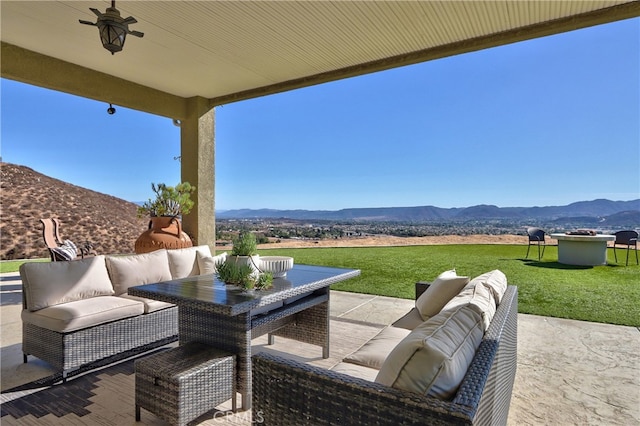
point(597, 210)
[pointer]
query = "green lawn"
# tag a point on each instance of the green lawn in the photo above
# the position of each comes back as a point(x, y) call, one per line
point(14, 265)
point(608, 294)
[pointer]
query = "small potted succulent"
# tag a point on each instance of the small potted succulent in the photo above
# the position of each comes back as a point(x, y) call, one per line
point(165, 211)
point(241, 267)
point(243, 276)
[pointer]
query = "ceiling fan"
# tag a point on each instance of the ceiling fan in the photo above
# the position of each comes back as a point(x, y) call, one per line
point(112, 27)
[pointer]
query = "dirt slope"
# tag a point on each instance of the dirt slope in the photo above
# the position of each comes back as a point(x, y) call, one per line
point(109, 223)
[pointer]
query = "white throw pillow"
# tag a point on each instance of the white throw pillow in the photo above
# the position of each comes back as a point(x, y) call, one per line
point(184, 263)
point(434, 358)
point(441, 290)
point(207, 264)
point(53, 283)
point(138, 269)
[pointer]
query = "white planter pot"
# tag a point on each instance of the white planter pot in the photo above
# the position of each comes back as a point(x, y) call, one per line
point(253, 261)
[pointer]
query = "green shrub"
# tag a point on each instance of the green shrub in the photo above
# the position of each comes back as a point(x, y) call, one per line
point(169, 201)
point(243, 275)
point(245, 244)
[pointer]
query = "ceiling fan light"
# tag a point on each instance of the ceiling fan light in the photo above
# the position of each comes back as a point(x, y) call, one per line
point(112, 36)
point(113, 28)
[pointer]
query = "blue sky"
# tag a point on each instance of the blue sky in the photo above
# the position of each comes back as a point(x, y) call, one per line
point(544, 122)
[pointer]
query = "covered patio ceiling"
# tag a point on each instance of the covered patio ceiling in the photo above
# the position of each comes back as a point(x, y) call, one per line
point(227, 51)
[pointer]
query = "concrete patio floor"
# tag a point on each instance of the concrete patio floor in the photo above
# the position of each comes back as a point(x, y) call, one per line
point(569, 372)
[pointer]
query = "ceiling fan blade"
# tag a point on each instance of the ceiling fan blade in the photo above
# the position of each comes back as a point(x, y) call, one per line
point(130, 20)
point(86, 22)
point(96, 11)
point(136, 33)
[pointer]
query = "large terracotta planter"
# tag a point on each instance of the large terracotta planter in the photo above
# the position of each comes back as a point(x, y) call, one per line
point(164, 232)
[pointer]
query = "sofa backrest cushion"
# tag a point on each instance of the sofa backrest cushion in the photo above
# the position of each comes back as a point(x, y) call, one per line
point(477, 297)
point(441, 290)
point(138, 269)
point(52, 283)
point(495, 281)
point(207, 264)
point(184, 263)
point(434, 358)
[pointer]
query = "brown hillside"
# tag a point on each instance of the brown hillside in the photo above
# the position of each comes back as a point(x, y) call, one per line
point(109, 223)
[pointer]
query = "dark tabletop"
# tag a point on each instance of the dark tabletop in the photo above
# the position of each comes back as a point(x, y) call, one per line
point(231, 300)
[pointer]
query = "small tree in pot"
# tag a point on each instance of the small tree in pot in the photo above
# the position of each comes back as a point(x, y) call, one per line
point(165, 229)
point(170, 200)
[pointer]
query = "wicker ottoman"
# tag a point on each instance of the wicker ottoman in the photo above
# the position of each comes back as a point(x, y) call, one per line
point(181, 384)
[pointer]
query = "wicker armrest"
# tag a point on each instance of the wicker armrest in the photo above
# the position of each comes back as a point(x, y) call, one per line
point(287, 392)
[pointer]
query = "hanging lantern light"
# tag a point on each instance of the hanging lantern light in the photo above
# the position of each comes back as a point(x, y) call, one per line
point(113, 28)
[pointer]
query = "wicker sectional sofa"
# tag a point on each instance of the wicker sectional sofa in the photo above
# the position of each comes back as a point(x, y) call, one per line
point(450, 360)
point(78, 312)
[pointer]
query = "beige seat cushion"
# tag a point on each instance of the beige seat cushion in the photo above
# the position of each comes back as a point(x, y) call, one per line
point(434, 358)
point(495, 280)
point(373, 353)
point(83, 313)
point(184, 262)
point(410, 320)
point(150, 305)
point(477, 297)
point(138, 269)
point(355, 370)
point(208, 264)
point(441, 290)
point(52, 283)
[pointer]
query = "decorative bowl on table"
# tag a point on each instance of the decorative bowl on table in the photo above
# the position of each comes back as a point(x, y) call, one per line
point(277, 265)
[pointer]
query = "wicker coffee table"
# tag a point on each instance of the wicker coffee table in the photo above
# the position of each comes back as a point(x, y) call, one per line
point(297, 307)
